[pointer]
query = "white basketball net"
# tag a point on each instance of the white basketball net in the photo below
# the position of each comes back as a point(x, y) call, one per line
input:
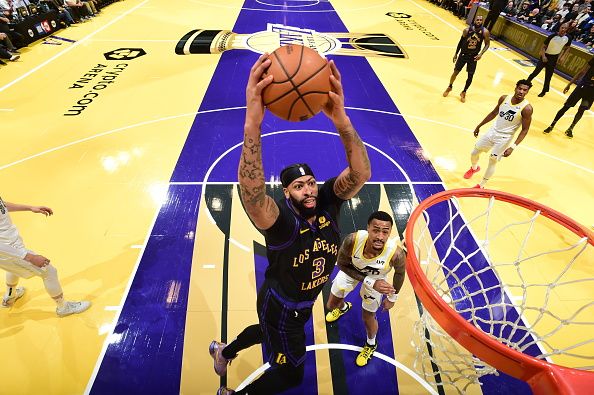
point(525, 280)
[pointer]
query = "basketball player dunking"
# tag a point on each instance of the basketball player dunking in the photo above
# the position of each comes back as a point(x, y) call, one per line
point(367, 256)
point(511, 112)
point(469, 47)
point(302, 239)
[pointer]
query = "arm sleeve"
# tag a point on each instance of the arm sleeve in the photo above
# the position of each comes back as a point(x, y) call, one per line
point(5, 249)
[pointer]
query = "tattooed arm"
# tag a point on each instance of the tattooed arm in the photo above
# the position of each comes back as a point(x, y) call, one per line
point(399, 264)
point(344, 261)
point(350, 181)
point(260, 207)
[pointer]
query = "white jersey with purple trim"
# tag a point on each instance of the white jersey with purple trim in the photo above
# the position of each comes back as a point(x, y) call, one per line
point(378, 266)
point(509, 117)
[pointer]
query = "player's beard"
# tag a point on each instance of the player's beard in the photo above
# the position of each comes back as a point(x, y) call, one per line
point(305, 212)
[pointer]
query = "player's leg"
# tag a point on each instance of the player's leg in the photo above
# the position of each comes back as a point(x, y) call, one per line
point(371, 300)
point(276, 379)
point(483, 144)
point(500, 145)
point(13, 291)
point(571, 101)
point(49, 275)
point(342, 285)
point(539, 66)
point(588, 98)
point(223, 354)
point(284, 337)
point(470, 68)
point(457, 68)
point(549, 71)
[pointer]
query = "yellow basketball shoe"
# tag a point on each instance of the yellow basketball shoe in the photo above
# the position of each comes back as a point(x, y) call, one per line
point(335, 314)
point(365, 354)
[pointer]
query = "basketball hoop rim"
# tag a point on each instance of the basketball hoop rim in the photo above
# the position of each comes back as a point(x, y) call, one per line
point(541, 375)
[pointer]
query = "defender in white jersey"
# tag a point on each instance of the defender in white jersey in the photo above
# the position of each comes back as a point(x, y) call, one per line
point(367, 256)
point(510, 112)
point(18, 262)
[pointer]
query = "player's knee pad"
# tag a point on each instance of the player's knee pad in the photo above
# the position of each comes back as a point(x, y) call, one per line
point(494, 158)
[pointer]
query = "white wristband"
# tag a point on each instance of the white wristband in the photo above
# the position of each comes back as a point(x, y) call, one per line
point(369, 281)
point(513, 146)
point(393, 298)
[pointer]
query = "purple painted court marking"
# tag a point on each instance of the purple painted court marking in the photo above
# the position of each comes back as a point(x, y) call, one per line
point(145, 355)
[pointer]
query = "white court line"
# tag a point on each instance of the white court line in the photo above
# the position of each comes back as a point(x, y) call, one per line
point(239, 245)
point(494, 52)
point(525, 146)
point(70, 48)
point(338, 346)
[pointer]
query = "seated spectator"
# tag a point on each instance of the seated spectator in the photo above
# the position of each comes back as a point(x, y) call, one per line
point(564, 10)
point(534, 17)
point(524, 12)
point(572, 14)
point(585, 5)
point(4, 52)
point(587, 38)
point(80, 10)
point(552, 24)
point(584, 16)
point(66, 18)
point(5, 41)
point(510, 9)
point(6, 16)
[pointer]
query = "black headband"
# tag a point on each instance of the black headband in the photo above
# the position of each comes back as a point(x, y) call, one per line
point(293, 172)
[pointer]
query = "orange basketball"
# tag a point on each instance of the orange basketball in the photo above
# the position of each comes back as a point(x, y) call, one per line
point(301, 83)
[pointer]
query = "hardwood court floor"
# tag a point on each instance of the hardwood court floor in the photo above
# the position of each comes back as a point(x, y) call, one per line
point(127, 178)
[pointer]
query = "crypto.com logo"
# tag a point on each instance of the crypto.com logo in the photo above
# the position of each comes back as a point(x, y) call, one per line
point(124, 54)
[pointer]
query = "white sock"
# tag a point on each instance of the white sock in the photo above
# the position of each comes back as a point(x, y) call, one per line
point(371, 341)
point(344, 307)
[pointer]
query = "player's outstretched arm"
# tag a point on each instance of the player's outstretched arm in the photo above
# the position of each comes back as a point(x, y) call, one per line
point(25, 207)
point(260, 207)
point(350, 181)
point(490, 116)
point(576, 77)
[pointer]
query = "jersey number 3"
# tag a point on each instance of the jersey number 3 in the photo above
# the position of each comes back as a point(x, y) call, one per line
point(318, 264)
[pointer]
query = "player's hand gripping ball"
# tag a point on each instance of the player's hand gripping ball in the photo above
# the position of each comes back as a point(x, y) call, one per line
point(301, 83)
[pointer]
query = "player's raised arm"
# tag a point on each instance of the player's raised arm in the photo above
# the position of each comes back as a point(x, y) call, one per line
point(260, 207)
point(350, 181)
